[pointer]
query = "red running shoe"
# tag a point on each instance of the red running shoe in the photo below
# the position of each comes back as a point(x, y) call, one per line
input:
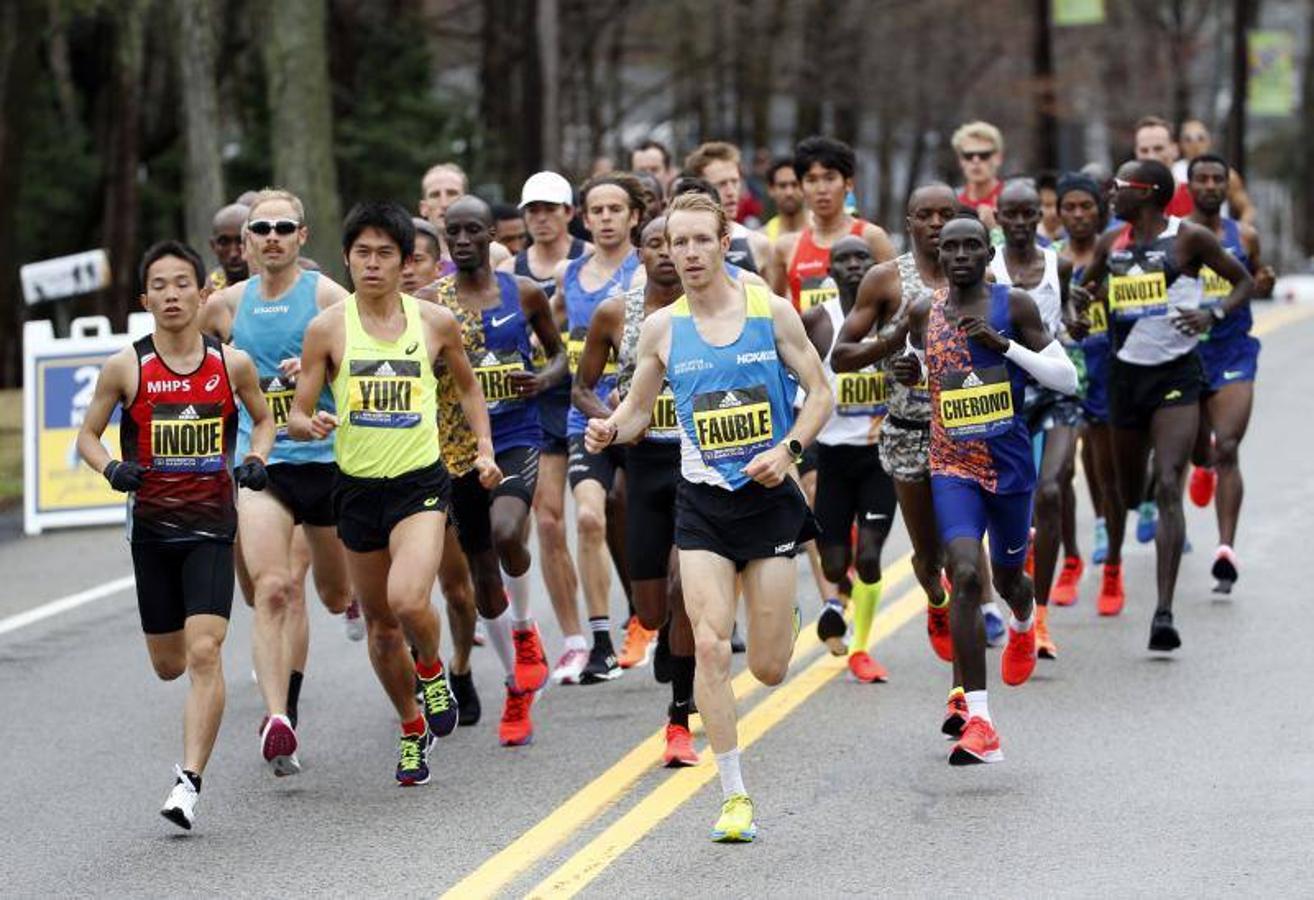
point(1018, 660)
point(979, 744)
point(680, 752)
point(955, 714)
point(516, 728)
point(531, 659)
point(1069, 580)
point(937, 629)
point(1112, 596)
point(1203, 481)
point(865, 669)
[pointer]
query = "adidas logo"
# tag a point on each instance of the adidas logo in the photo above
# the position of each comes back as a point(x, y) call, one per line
point(730, 400)
point(971, 380)
point(188, 413)
point(488, 360)
point(1135, 269)
point(385, 370)
point(275, 385)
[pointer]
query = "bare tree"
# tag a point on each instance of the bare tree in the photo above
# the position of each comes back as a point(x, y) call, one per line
point(203, 178)
point(122, 149)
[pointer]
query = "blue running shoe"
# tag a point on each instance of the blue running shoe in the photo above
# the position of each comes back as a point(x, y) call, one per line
point(1147, 522)
point(1101, 551)
point(995, 628)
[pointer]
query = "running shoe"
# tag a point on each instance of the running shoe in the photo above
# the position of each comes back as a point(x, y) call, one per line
point(516, 728)
point(531, 659)
point(1101, 551)
point(413, 758)
point(1224, 569)
point(602, 666)
point(831, 627)
point(278, 745)
point(569, 666)
point(862, 667)
point(1045, 646)
point(736, 825)
point(354, 622)
point(1163, 636)
point(661, 656)
point(1202, 484)
point(639, 645)
point(979, 744)
point(955, 714)
point(1018, 660)
point(468, 708)
point(737, 644)
point(1147, 521)
point(480, 633)
point(1112, 596)
point(680, 752)
point(1064, 592)
point(937, 629)
point(180, 806)
point(995, 627)
point(440, 709)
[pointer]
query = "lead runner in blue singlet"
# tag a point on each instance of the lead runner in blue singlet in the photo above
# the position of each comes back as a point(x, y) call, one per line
point(724, 348)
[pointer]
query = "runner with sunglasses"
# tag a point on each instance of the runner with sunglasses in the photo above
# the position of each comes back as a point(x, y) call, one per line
point(980, 150)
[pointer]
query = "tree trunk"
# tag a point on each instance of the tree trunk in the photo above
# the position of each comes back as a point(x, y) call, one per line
point(549, 83)
point(1047, 156)
point(203, 177)
point(1242, 17)
point(122, 157)
point(295, 56)
point(812, 73)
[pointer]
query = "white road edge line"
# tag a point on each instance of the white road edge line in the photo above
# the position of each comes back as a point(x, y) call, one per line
point(64, 604)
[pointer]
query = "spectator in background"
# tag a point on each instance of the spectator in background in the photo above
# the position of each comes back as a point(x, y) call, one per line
point(509, 228)
point(1154, 139)
point(980, 150)
point(652, 158)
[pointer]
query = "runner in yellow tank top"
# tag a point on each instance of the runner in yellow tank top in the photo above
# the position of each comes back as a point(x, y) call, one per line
point(378, 349)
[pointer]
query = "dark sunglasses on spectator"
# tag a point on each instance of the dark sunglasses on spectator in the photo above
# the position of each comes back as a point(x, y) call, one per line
point(282, 227)
point(976, 155)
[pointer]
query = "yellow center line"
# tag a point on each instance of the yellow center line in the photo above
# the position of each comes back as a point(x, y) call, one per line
point(588, 802)
point(576, 873)
point(1280, 317)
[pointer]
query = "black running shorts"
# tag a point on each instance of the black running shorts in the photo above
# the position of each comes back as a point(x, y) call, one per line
point(1137, 392)
point(306, 490)
point(177, 579)
point(653, 472)
point(852, 487)
point(754, 522)
point(472, 505)
point(369, 508)
point(600, 467)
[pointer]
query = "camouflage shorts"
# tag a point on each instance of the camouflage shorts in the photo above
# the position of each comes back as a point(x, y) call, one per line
point(905, 452)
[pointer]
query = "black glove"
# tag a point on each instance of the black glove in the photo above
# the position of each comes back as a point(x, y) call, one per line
point(251, 474)
point(124, 476)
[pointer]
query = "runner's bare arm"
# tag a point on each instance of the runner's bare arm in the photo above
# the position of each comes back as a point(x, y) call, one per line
point(537, 310)
point(599, 345)
point(1074, 318)
point(816, 322)
point(217, 312)
point(777, 272)
point(908, 366)
point(445, 336)
point(879, 295)
point(628, 421)
point(328, 292)
point(882, 249)
point(304, 422)
point(246, 385)
point(1264, 275)
point(760, 246)
point(114, 385)
point(1204, 249)
point(498, 255)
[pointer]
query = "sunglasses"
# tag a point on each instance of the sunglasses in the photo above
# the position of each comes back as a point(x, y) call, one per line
point(976, 155)
point(282, 227)
point(1122, 185)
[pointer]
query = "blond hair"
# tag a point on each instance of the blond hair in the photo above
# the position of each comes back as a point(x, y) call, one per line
point(446, 167)
point(698, 203)
point(708, 153)
point(269, 194)
point(979, 131)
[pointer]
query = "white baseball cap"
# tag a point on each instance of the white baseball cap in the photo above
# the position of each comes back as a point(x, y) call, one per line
point(546, 187)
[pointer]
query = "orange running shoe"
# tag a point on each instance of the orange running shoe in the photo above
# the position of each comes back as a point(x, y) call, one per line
point(1065, 588)
point(937, 629)
point(1018, 660)
point(1112, 596)
point(865, 669)
point(955, 714)
point(639, 645)
point(531, 671)
point(1045, 646)
point(680, 752)
point(1203, 481)
point(979, 744)
point(516, 728)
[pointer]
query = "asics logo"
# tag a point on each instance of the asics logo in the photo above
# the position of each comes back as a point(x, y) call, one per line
point(412, 347)
point(498, 323)
point(212, 382)
point(431, 501)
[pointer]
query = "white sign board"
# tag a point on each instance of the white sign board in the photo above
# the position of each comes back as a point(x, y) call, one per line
point(65, 276)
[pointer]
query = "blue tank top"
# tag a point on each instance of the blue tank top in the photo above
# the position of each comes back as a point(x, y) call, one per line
point(1216, 289)
point(561, 390)
point(732, 401)
point(270, 331)
point(502, 347)
point(580, 305)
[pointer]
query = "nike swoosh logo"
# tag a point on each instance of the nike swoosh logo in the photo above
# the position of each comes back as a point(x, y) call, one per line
point(498, 323)
point(1232, 373)
point(876, 517)
point(1012, 550)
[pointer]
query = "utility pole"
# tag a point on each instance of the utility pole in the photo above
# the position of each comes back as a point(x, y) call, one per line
point(1047, 156)
point(1244, 13)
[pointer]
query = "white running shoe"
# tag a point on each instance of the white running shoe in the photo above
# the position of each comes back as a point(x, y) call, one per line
point(180, 806)
point(278, 745)
point(569, 666)
point(480, 633)
point(354, 622)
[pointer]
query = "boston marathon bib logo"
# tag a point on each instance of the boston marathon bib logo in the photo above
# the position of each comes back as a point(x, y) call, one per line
point(665, 426)
point(816, 291)
point(976, 404)
point(860, 393)
point(732, 425)
point(1138, 294)
point(187, 437)
point(575, 350)
point(278, 394)
point(493, 369)
point(385, 393)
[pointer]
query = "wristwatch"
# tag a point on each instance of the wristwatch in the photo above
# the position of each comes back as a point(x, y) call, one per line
point(795, 449)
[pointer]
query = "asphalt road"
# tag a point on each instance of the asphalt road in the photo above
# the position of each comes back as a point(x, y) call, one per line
point(1126, 773)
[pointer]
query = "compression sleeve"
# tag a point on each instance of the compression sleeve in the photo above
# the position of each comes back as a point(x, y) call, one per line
point(1051, 366)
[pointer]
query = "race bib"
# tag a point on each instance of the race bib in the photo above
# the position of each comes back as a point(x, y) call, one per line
point(976, 404)
point(384, 393)
point(1216, 287)
point(732, 425)
point(575, 351)
point(860, 393)
point(493, 369)
point(187, 437)
point(1099, 319)
point(664, 426)
point(1137, 296)
point(815, 291)
point(278, 393)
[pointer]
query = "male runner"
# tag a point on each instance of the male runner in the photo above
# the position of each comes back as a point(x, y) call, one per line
point(1231, 357)
point(653, 465)
point(1154, 139)
point(510, 230)
point(178, 390)
point(378, 349)
point(852, 487)
point(1154, 299)
point(266, 316)
point(654, 196)
point(497, 313)
point(1194, 139)
point(980, 341)
point(226, 243)
point(547, 202)
point(980, 150)
point(1050, 231)
point(801, 260)
point(422, 268)
point(1051, 417)
point(718, 163)
point(652, 158)
point(439, 187)
point(787, 196)
point(725, 348)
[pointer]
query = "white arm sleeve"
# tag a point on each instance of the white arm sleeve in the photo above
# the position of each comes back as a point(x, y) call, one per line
point(1051, 366)
point(920, 354)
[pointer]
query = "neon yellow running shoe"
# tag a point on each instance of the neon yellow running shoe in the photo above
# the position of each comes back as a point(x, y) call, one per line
point(736, 825)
